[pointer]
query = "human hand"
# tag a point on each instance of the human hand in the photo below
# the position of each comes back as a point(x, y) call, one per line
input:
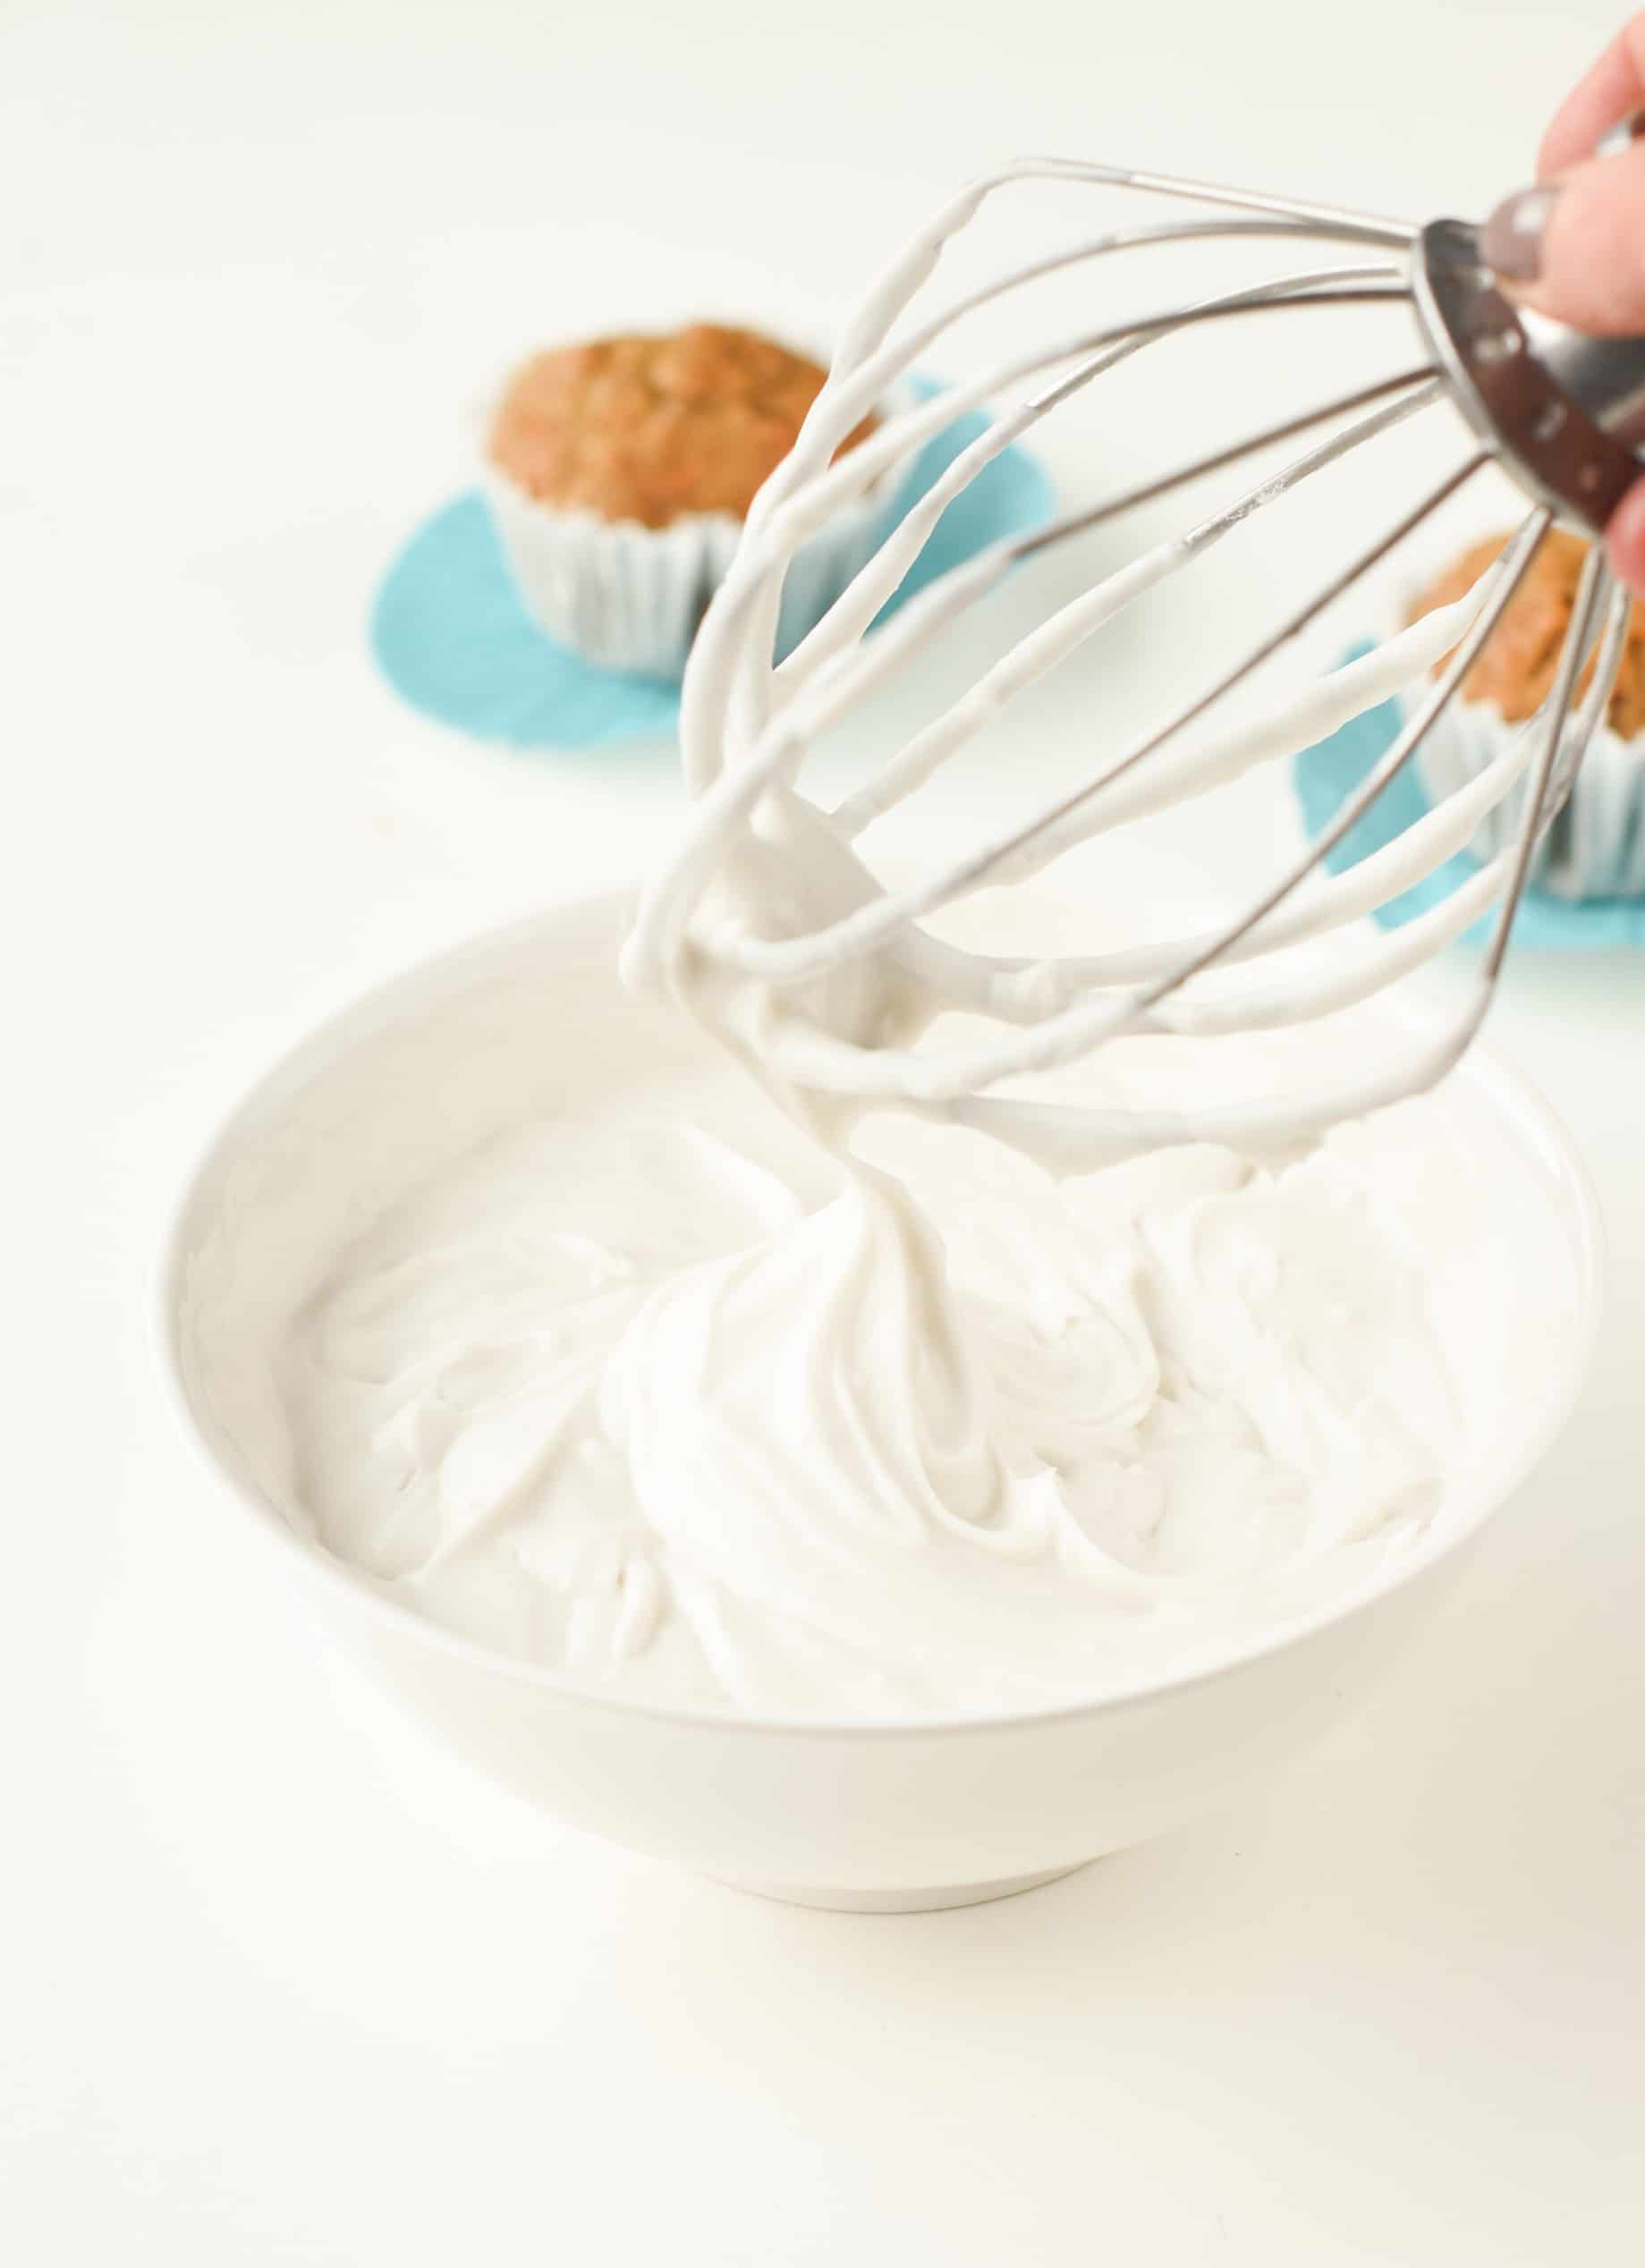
point(1573, 246)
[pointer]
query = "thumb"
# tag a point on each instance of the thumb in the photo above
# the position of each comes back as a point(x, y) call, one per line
point(1573, 247)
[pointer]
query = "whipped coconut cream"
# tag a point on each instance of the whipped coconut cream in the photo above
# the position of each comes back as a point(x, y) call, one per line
point(684, 1407)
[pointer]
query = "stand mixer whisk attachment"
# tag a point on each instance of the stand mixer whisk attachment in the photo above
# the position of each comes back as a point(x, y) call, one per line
point(770, 923)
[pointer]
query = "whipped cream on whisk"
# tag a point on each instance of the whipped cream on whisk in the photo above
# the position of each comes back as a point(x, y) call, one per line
point(621, 1400)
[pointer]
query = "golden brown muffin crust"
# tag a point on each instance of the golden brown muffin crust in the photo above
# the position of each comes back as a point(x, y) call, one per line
point(1516, 668)
point(650, 428)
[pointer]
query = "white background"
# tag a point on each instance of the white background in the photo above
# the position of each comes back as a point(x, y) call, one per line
point(278, 1983)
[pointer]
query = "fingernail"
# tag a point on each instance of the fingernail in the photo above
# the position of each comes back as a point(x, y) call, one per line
point(1511, 239)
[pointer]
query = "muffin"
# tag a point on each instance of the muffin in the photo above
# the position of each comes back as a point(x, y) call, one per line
point(1596, 847)
point(620, 472)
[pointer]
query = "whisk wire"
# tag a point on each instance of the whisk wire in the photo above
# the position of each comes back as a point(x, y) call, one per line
point(1510, 571)
point(1579, 631)
point(1336, 219)
point(856, 607)
point(1079, 523)
point(1080, 617)
point(1596, 701)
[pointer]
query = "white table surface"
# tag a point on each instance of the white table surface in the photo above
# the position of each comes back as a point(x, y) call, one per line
point(278, 1983)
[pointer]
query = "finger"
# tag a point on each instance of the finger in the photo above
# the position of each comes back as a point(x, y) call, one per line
point(1625, 540)
point(1574, 247)
point(1615, 86)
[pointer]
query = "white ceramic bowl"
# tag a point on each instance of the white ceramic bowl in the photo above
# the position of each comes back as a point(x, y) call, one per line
point(876, 1817)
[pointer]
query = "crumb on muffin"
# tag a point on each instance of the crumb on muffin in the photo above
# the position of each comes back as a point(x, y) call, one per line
point(650, 428)
point(1515, 671)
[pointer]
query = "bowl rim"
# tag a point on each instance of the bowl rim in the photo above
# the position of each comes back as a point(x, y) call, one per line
point(443, 967)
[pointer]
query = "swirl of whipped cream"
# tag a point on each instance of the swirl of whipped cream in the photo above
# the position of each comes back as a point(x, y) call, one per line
point(619, 1400)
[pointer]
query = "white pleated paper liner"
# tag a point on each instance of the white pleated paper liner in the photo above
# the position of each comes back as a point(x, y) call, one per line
point(452, 636)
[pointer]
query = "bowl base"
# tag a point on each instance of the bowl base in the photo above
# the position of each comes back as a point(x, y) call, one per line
point(928, 1900)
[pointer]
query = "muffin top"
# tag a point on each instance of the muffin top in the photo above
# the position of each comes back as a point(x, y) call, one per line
point(1515, 669)
point(650, 428)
